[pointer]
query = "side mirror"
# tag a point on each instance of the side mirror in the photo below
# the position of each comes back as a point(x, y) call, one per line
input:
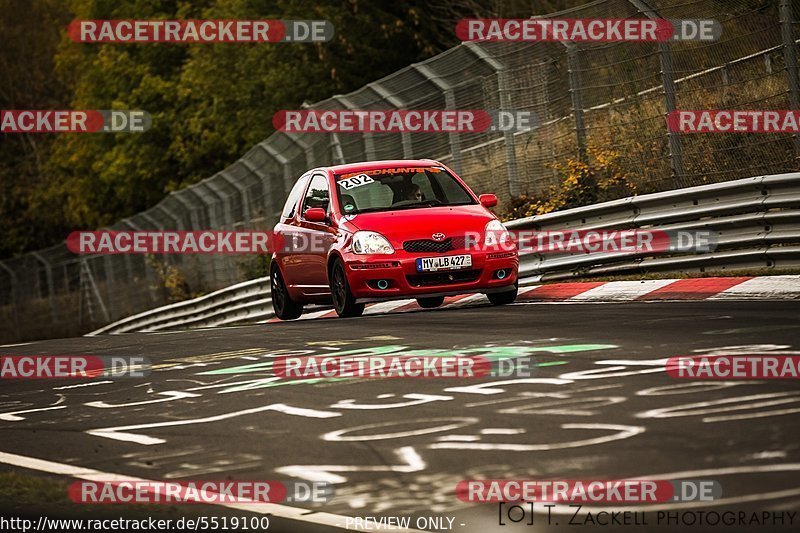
point(316, 214)
point(488, 200)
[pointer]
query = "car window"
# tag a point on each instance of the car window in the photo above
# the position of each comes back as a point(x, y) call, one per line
point(290, 207)
point(450, 189)
point(422, 181)
point(318, 194)
point(399, 188)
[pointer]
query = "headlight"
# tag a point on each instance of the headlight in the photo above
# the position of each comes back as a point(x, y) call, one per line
point(370, 242)
point(495, 234)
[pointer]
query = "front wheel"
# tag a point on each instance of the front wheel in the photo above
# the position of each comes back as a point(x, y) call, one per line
point(285, 308)
point(503, 298)
point(343, 300)
point(430, 303)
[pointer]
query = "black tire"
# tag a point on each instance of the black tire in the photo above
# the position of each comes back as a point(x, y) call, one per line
point(503, 298)
point(343, 300)
point(285, 308)
point(430, 303)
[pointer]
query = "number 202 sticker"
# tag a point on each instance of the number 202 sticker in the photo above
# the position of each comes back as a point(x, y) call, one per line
point(355, 181)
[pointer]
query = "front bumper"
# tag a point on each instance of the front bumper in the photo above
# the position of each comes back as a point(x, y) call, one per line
point(368, 274)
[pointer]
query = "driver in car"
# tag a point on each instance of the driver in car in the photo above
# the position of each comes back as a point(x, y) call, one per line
point(414, 193)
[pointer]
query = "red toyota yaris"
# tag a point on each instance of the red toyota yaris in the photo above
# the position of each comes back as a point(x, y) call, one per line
point(385, 230)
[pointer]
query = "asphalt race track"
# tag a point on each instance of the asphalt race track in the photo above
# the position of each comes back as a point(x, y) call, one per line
point(600, 406)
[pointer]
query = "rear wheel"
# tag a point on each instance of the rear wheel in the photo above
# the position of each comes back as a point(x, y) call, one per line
point(343, 300)
point(503, 298)
point(430, 303)
point(285, 308)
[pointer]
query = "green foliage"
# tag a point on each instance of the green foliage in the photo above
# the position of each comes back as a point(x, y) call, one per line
point(172, 281)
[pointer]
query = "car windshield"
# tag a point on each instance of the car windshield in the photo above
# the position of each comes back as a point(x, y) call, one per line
point(399, 188)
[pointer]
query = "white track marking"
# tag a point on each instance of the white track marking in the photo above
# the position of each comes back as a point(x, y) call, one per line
point(122, 432)
point(495, 387)
point(416, 399)
point(411, 462)
point(448, 424)
point(80, 385)
point(622, 290)
point(170, 395)
point(458, 438)
point(689, 388)
point(385, 307)
point(12, 417)
point(726, 405)
point(763, 288)
point(472, 298)
point(621, 432)
point(272, 509)
point(526, 290)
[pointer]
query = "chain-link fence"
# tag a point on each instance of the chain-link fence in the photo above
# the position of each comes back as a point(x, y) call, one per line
point(608, 95)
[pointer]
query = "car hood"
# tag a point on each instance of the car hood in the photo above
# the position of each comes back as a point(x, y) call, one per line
point(422, 223)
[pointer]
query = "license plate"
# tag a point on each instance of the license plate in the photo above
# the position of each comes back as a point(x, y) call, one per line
point(444, 262)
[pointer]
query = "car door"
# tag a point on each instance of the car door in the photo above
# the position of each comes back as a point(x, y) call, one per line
point(285, 232)
point(314, 239)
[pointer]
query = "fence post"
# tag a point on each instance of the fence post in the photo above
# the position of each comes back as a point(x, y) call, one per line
point(50, 287)
point(366, 136)
point(508, 136)
point(790, 58)
point(506, 98)
point(405, 136)
point(576, 93)
point(668, 80)
point(450, 104)
point(13, 289)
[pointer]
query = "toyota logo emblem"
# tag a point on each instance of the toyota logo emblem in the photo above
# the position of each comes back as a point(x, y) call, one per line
point(438, 237)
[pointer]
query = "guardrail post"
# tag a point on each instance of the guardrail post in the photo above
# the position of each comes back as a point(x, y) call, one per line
point(668, 81)
point(790, 58)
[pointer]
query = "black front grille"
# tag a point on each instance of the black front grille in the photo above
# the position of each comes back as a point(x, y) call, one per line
point(443, 278)
point(425, 246)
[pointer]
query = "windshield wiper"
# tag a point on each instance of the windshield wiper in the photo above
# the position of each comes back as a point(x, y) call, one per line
point(426, 203)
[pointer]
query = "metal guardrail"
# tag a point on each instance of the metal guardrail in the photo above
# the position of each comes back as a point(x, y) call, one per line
point(238, 302)
point(756, 222)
